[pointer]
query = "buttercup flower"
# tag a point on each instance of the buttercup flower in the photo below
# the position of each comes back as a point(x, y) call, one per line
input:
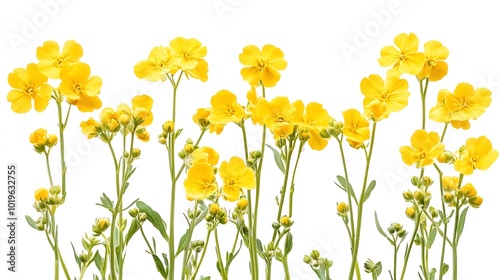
point(314, 120)
point(253, 100)
point(38, 137)
point(356, 126)
point(81, 90)
point(28, 84)
point(200, 182)
point(262, 66)
point(435, 68)
point(236, 176)
point(225, 109)
point(52, 60)
point(204, 155)
point(280, 115)
point(450, 183)
point(478, 153)
point(141, 109)
point(90, 128)
point(405, 58)
point(466, 103)
point(425, 147)
point(156, 67)
point(391, 96)
point(187, 55)
point(468, 190)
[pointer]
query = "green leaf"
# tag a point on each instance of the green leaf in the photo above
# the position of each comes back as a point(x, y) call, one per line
point(346, 187)
point(182, 243)
point(204, 277)
point(98, 261)
point(77, 259)
point(259, 246)
point(446, 267)
point(461, 223)
point(154, 218)
point(432, 236)
point(31, 222)
point(159, 266)
point(130, 205)
point(165, 260)
point(369, 190)
point(277, 158)
point(288, 243)
point(379, 228)
point(134, 227)
point(377, 269)
point(432, 274)
point(106, 203)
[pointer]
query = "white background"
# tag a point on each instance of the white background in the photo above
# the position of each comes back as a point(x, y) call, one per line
point(316, 37)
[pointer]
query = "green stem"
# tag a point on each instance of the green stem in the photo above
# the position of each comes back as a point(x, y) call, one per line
point(223, 272)
point(455, 239)
point(285, 267)
point(285, 183)
point(349, 195)
point(445, 223)
point(48, 168)
point(61, 141)
point(292, 183)
point(63, 265)
point(395, 259)
point(188, 239)
point(423, 248)
point(412, 240)
point(202, 254)
point(357, 236)
point(423, 93)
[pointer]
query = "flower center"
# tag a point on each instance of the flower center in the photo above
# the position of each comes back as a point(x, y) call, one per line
point(59, 61)
point(30, 90)
point(78, 87)
point(261, 64)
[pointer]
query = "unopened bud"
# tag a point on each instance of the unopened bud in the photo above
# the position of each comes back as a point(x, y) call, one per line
point(168, 126)
point(476, 201)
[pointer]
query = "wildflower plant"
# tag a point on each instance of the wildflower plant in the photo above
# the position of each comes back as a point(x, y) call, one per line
point(224, 192)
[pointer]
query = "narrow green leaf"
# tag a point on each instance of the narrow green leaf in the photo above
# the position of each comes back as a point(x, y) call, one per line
point(377, 269)
point(159, 266)
point(98, 261)
point(446, 267)
point(31, 222)
point(432, 236)
point(77, 259)
point(259, 246)
point(134, 227)
point(461, 223)
point(288, 243)
point(106, 203)
point(432, 274)
point(182, 243)
point(277, 158)
point(379, 228)
point(165, 260)
point(130, 205)
point(346, 187)
point(154, 218)
point(369, 190)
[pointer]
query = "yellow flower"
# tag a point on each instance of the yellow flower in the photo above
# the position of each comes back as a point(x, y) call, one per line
point(450, 183)
point(202, 155)
point(187, 55)
point(263, 66)
point(434, 67)
point(225, 109)
point(381, 98)
point(468, 190)
point(28, 84)
point(441, 112)
point(467, 103)
point(141, 109)
point(90, 128)
point(314, 120)
point(39, 137)
point(51, 60)
point(236, 176)
point(41, 194)
point(405, 58)
point(81, 90)
point(253, 100)
point(425, 147)
point(476, 201)
point(279, 115)
point(200, 182)
point(156, 67)
point(356, 126)
point(478, 153)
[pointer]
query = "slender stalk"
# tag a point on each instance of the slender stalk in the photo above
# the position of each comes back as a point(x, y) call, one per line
point(445, 222)
point(223, 272)
point(202, 254)
point(285, 267)
point(61, 141)
point(423, 93)
point(188, 239)
point(412, 240)
point(48, 168)
point(455, 240)
point(423, 252)
point(292, 183)
point(357, 236)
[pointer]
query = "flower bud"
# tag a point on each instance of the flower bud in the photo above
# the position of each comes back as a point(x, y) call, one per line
point(408, 196)
point(411, 213)
point(476, 201)
point(307, 259)
point(162, 140)
point(113, 126)
point(324, 134)
point(342, 209)
point(188, 148)
point(242, 204)
point(126, 154)
point(124, 119)
point(55, 190)
point(434, 212)
point(198, 245)
point(468, 190)
point(427, 181)
point(315, 254)
point(213, 208)
point(304, 136)
point(133, 212)
point(450, 183)
point(280, 142)
point(446, 157)
point(83, 257)
point(142, 217)
point(136, 152)
point(415, 181)
point(448, 197)
point(286, 222)
point(255, 154)
point(168, 126)
point(41, 194)
point(100, 226)
point(51, 140)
